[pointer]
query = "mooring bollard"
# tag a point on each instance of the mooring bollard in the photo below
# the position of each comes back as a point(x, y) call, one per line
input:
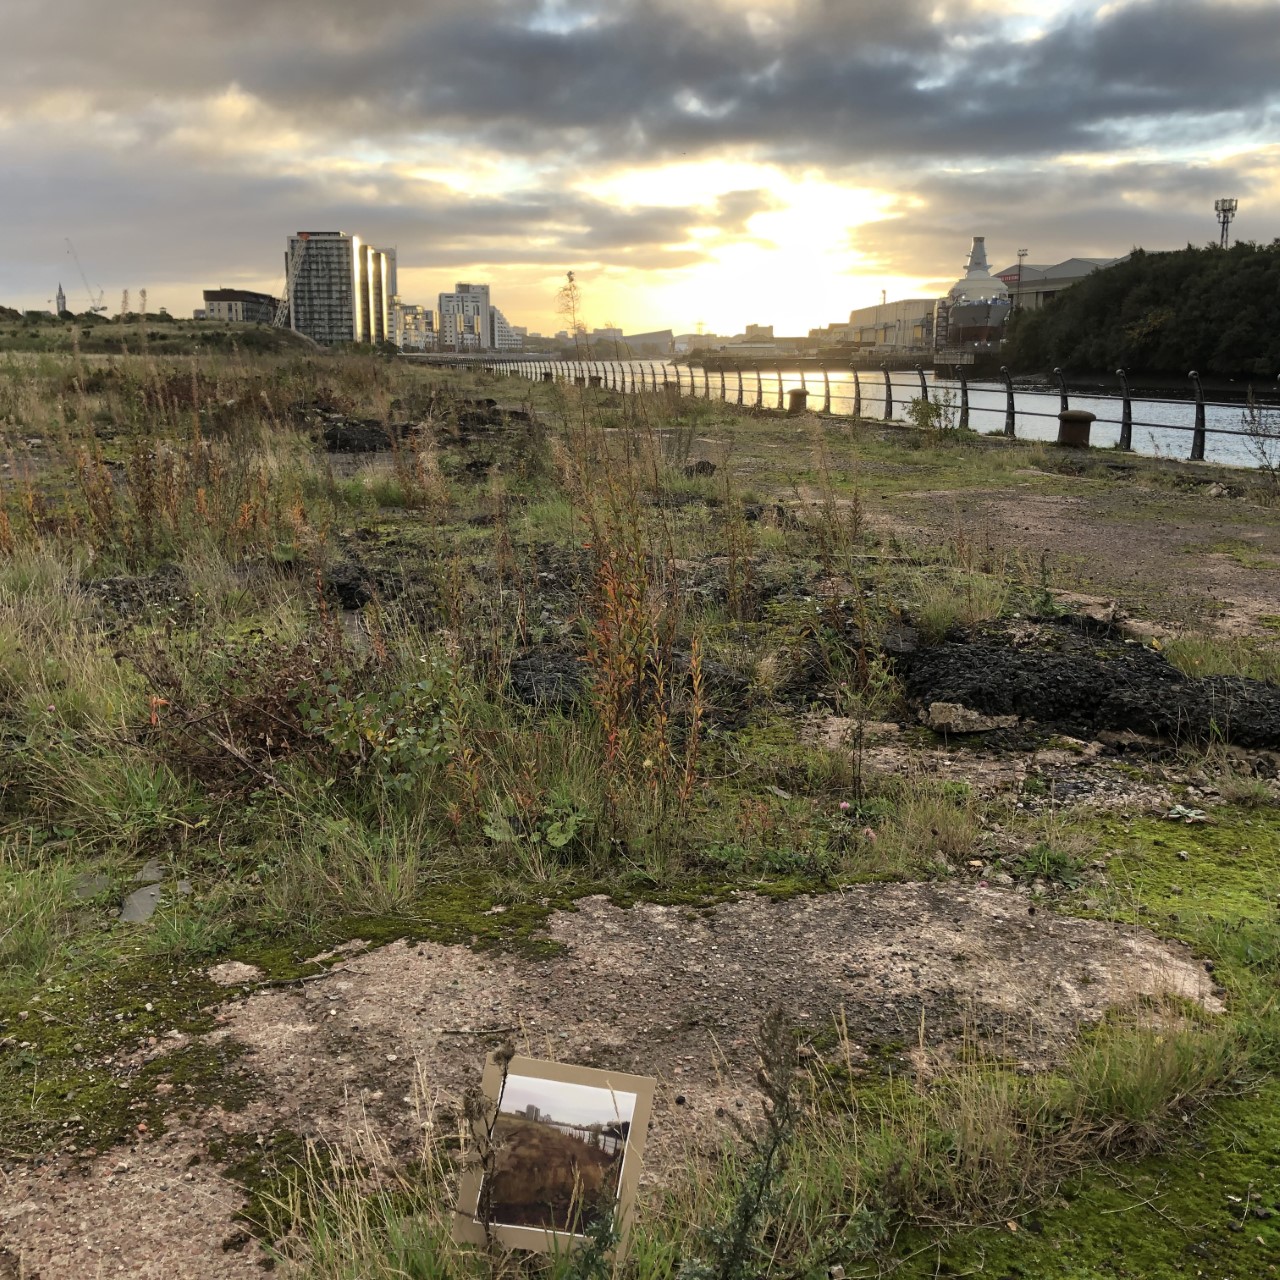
point(1073, 428)
point(1197, 436)
point(797, 399)
point(1009, 413)
point(1126, 412)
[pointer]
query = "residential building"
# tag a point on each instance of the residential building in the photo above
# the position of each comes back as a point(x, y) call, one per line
point(464, 318)
point(414, 327)
point(339, 290)
point(502, 336)
point(1032, 284)
point(468, 321)
point(239, 306)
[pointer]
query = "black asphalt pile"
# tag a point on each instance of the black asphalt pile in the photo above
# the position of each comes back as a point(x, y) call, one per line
point(1083, 680)
point(354, 435)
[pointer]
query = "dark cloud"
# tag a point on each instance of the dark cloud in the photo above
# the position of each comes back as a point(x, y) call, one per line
point(877, 93)
point(639, 78)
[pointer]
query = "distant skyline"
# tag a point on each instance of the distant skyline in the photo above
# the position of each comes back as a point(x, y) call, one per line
point(567, 1103)
point(736, 161)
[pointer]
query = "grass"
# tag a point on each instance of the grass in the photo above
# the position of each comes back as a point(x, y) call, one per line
point(581, 669)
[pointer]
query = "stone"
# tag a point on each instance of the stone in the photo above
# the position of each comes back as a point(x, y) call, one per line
point(954, 717)
point(234, 973)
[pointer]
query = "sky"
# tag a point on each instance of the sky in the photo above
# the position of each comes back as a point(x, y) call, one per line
point(720, 163)
point(567, 1103)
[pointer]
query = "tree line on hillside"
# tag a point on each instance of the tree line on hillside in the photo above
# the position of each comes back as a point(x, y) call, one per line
point(1214, 310)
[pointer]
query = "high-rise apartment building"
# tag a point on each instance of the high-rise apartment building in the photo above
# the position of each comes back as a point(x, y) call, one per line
point(464, 318)
point(339, 288)
point(470, 322)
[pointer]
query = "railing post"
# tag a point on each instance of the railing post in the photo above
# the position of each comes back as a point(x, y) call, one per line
point(888, 394)
point(1126, 412)
point(739, 384)
point(964, 399)
point(779, 386)
point(1010, 417)
point(1063, 405)
point(759, 388)
point(724, 399)
point(706, 381)
point(1197, 436)
point(826, 392)
point(924, 386)
point(857, 393)
point(653, 375)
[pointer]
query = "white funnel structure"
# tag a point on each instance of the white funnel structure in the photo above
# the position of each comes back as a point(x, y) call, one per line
point(978, 285)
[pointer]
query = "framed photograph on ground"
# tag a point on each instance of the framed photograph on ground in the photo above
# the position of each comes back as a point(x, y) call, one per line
point(561, 1149)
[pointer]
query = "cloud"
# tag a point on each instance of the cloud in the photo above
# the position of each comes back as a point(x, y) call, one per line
point(184, 139)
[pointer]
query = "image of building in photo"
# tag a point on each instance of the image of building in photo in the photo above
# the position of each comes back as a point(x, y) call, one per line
point(338, 288)
point(59, 301)
point(239, 306)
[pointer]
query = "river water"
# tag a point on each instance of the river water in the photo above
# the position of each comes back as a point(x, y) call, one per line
point(1160, 427)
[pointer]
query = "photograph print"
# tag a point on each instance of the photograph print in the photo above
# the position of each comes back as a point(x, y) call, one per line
point(558, 1153)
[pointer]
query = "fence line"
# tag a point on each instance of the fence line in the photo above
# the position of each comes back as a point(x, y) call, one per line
point(632, 376)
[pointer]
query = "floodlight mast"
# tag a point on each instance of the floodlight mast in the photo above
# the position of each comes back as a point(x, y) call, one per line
point(1226, 210)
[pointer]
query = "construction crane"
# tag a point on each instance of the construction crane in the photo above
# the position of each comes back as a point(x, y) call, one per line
point(96, 305)
point(290, 279)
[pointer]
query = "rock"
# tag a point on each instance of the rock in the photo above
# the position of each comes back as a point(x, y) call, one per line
point(1082, 682)
point(547, 677)
point(954, 717)
point(351, 435)
point(345, 581)
point(152, 872)
point(140, 905)
point(234, 973)
point(89, 885)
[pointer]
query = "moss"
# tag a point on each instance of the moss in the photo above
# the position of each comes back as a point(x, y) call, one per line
point(1176, 1214)
point(1229, 871)
point(72, 1072)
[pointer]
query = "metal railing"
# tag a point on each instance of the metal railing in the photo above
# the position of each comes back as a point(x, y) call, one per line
point(848, 398)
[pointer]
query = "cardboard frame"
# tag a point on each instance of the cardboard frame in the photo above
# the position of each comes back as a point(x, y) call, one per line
point(467, 1225)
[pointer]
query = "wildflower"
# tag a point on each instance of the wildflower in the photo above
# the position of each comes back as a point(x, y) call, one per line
point(844, 806)
point(869, 833)
point(51, 707)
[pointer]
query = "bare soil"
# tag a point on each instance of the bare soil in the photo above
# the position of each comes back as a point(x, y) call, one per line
point(383, 1046)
